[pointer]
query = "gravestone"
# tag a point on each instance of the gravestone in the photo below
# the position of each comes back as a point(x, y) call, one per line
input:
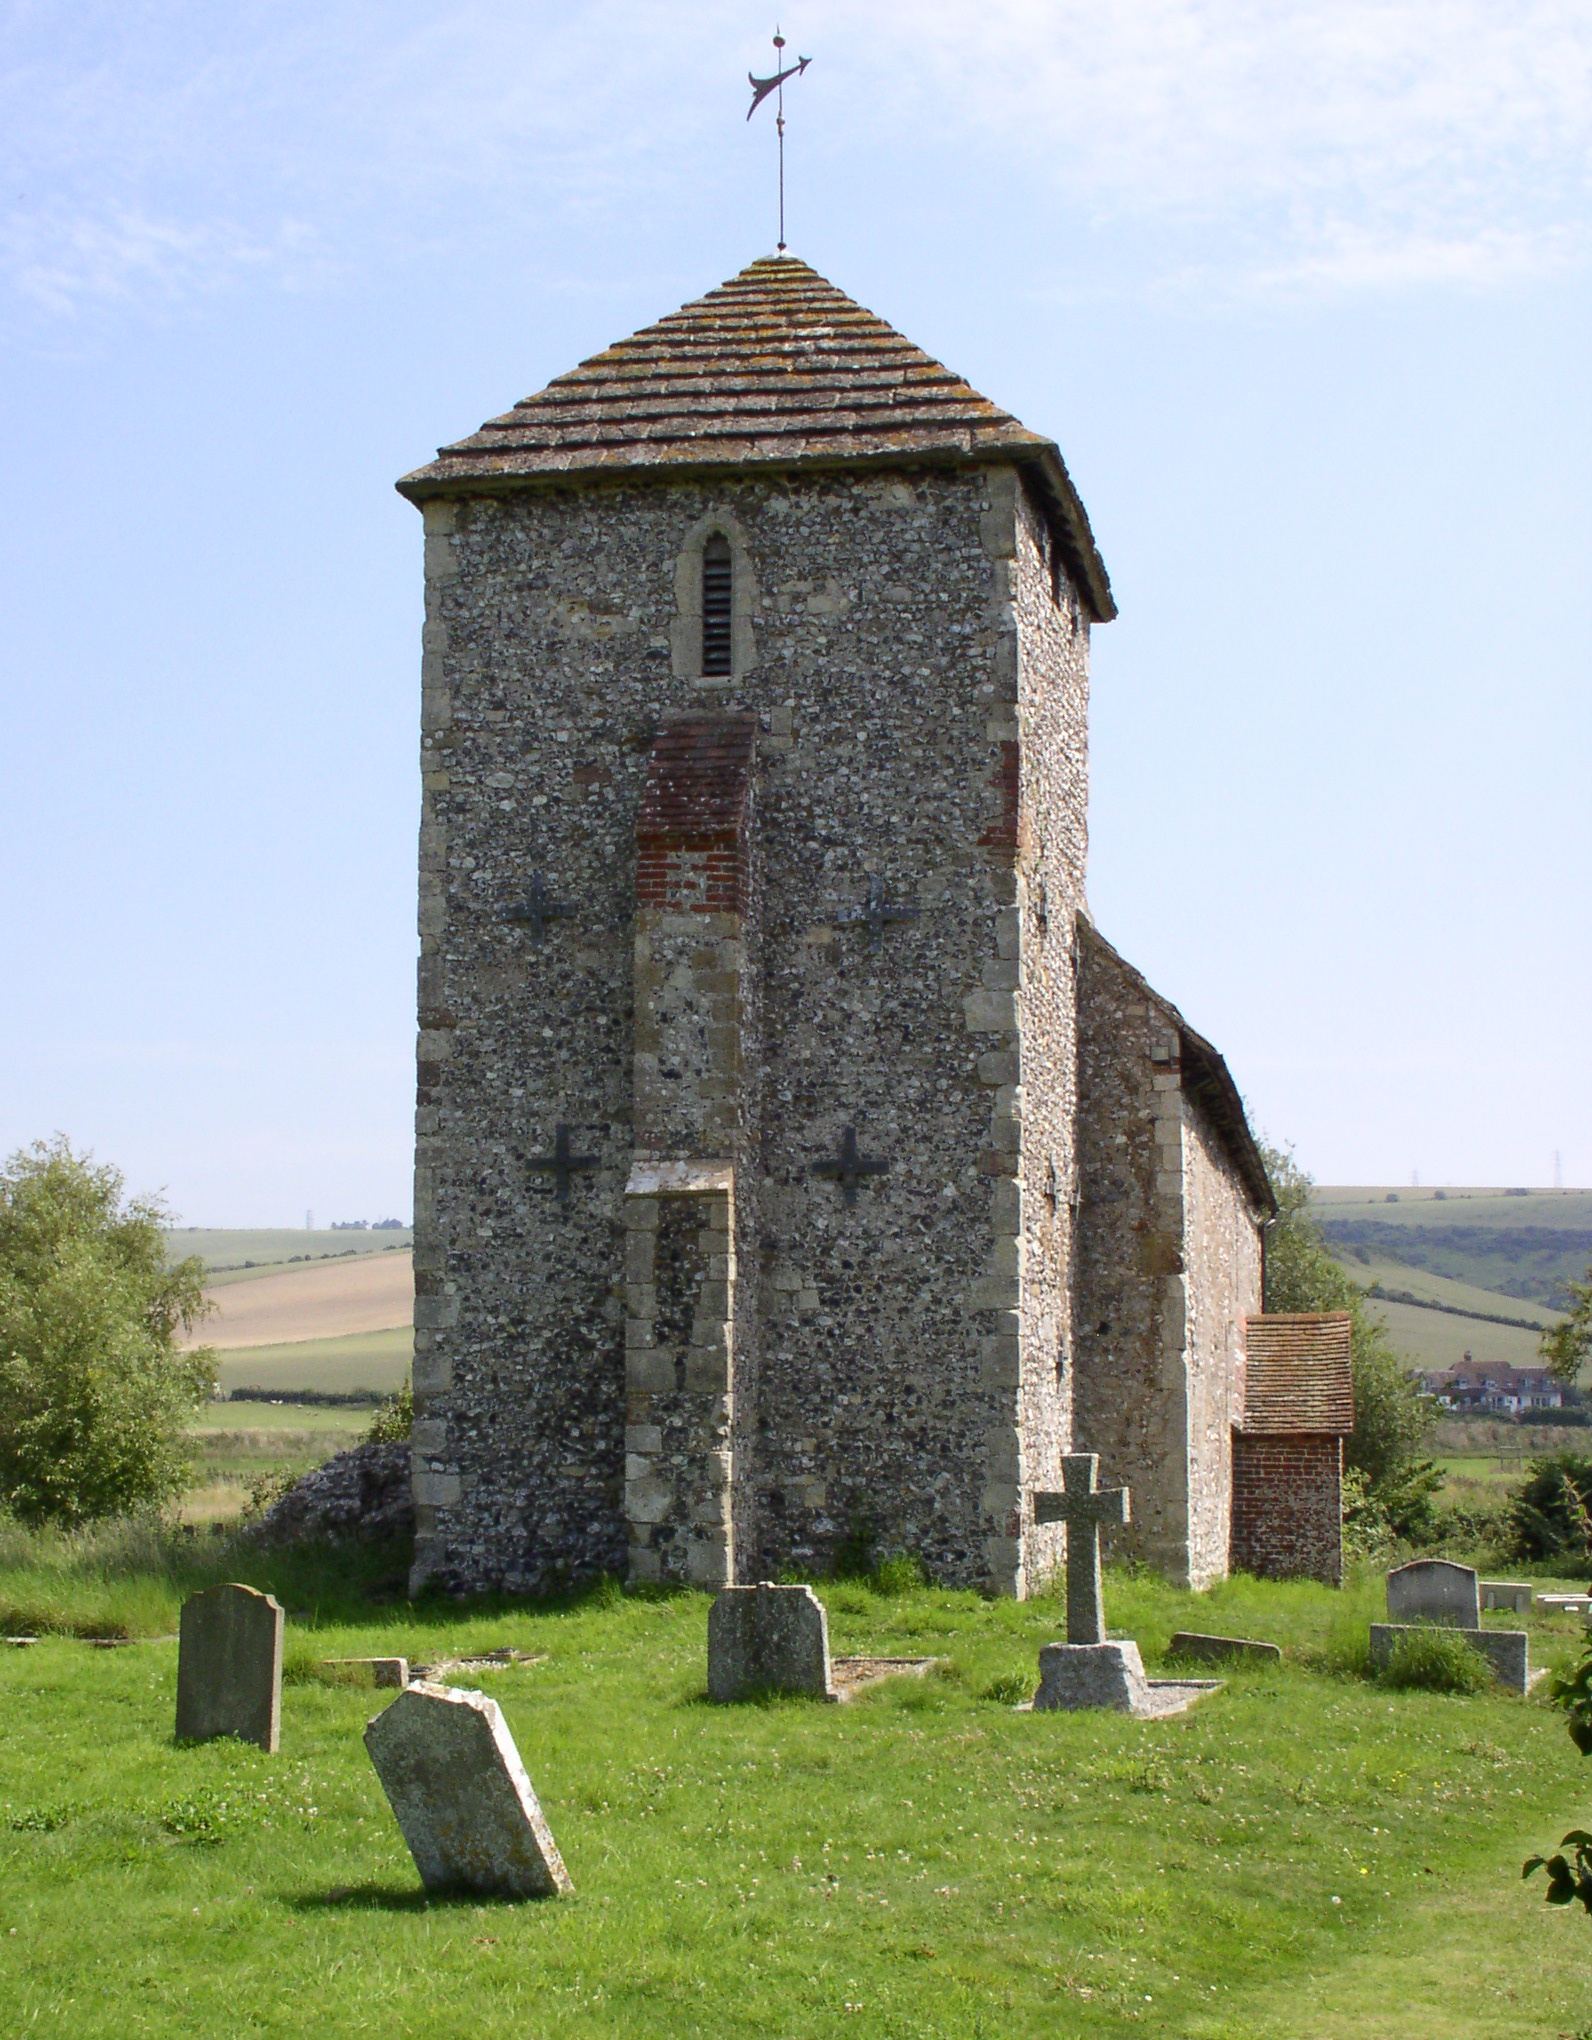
point(1512, 1594)
point(1434, 1590)
point(1190, 1643)
point(768, 1639)
point(1088, 1670)
point(460, 1794)
point(229, 1667)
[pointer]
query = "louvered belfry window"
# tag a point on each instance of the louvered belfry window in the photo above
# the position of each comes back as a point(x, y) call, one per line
point(716, 605)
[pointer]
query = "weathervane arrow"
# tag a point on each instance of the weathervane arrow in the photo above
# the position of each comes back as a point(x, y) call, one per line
point(762, 87)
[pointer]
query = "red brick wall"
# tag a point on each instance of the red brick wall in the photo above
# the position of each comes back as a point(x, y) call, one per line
point(1288, 1507)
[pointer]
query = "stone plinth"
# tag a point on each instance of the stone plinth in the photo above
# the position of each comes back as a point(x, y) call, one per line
point(1434, 1590)
point(1110, 1675)
point(1505, 1648)
point(461, 1796)
point(229, 1667)
point(1190, 1643)
point(768, 1639)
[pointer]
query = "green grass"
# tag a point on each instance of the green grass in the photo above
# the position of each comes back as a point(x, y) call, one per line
point(227, 1249)
point(1431, 1338)
point(1521, 1248)
point(361, 1360)
point(1304, 1854)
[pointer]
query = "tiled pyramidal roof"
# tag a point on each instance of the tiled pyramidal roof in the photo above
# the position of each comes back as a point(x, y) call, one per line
point(1297, 1373)
point(774, 369)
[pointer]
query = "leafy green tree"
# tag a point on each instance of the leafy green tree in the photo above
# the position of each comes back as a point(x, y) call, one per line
point(1393, 1420)
point(94, 1392)
point(1565, 1346)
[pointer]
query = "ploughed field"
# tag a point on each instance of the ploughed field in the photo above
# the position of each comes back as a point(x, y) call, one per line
point(1305, 1854)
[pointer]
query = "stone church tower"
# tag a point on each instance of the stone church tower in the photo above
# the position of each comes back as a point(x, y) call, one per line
point(795, 1167)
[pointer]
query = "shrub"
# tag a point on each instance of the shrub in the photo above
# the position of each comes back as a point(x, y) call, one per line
point(1550, 1513)
point(95, 1395)
point(1436, 1661)
point(395, 1420)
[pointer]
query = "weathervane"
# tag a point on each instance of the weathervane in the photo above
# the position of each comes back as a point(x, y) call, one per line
point(761, 88)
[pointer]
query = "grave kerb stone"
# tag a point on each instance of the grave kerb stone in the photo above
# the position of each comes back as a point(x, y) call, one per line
point(1512, 1594)
point(1191, 1643)
point(1504, 1648)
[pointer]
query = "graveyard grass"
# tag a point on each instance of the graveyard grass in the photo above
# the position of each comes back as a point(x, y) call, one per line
point(1305, 1854)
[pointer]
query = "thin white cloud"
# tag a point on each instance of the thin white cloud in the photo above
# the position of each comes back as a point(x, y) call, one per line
point(1324, 145)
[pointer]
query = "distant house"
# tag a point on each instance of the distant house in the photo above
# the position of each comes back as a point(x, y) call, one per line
point(1494, 1386)
point(1288, 1450)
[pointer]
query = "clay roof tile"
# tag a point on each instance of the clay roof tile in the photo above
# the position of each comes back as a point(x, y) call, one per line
point(775, 369)
point(1297, 1377)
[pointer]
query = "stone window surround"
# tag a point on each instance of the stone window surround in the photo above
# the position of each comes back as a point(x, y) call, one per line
point(685, 633)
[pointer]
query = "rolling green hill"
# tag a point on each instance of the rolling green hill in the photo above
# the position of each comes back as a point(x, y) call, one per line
point(232, 1254)
point(1522, 1247)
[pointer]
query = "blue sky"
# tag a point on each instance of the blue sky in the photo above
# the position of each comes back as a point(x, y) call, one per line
point(1301, 290)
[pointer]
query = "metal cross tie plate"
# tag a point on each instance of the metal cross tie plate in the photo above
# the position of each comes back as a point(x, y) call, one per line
point(876, 916)
point(561, 1164)
point(849, 1170)
point(1083, 1508)
point(538, 907)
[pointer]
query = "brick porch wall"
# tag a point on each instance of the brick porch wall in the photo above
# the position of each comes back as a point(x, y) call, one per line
point(1288, 1507)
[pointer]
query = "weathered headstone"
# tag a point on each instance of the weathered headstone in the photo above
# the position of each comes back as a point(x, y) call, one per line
point(460, 1794)
point(229, 1667)
point(1434, 1590)
point(1088, 1670)
point(1190, 1643)
point(1511, 1594)
point(768, 1639)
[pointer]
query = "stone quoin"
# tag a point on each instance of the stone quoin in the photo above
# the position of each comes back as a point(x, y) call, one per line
point(796, 1167)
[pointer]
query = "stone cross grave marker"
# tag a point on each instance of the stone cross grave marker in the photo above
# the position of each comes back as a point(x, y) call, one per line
point(1434, 1590)
point(768, 1639)
point(229, 1667)
point(1083, 1507)
point(461, 1796)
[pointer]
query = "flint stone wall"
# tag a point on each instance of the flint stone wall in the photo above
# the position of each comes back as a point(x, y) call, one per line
point(911, 1377)
point(1167, 1267)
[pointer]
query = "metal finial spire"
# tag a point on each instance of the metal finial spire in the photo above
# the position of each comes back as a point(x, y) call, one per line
point(761, 88)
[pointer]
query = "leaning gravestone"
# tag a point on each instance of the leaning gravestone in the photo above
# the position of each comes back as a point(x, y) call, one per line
point(1090, 1670)
point(460, 1794)
point(229, 1667)
point(1434, 1590)
point(768, 1639)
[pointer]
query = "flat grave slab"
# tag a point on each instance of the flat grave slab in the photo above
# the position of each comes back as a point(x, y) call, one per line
point(229, 1667)
point(461, 1796)
point(384, 1671)
point(1566, 1604)
point(851, 1674)
point(1191, 1643)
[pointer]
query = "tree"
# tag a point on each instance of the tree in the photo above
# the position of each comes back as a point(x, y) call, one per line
point(1393, 1420)
point(94, 1392)
point(1564, 1346)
